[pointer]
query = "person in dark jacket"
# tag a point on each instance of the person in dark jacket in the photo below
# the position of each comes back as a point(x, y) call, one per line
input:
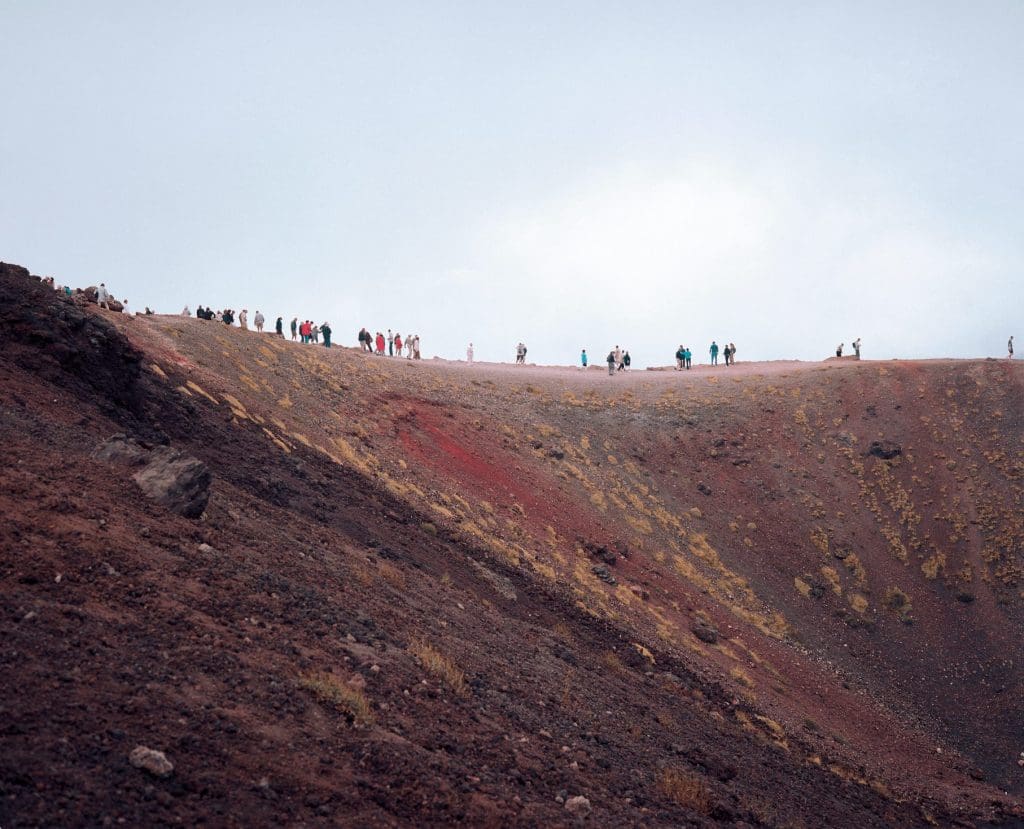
point(325, 329)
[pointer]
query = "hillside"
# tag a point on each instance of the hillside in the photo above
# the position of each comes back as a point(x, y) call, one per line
point(425, 593)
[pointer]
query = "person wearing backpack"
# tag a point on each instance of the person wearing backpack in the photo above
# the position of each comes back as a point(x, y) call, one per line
point(680, 358)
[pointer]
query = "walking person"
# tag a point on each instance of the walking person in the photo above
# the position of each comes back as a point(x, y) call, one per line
point(626, 360)
point(398, 344)
point(416, 346)
point(103, 297)
point(243, 319)
point(732, 354)
point(680, 358)
point(259, 320)
point(279, 327)
point(295, 328)
point(380, 344)
point(611, 362)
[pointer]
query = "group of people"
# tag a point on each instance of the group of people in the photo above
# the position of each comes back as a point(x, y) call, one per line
point(393, 342)
point(684, 357)
point(227, 316)
point(307, 331)
point(856, 348)
point(618, 360)
point(729, 353)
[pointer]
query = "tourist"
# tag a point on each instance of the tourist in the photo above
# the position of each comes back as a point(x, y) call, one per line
point(583, 359)
point(469, 353)
point(325, 329)
point(259, 320)
point(714, 353)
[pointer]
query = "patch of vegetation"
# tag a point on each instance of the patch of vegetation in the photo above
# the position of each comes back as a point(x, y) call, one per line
point(352, 702)
point(441, 666)
point(685, 790)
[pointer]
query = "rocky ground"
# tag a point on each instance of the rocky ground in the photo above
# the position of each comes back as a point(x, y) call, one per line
point(317, 587)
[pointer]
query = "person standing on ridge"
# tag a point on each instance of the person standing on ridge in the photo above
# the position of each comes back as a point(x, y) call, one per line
point(583, 358)
point(687, 356)
point(714, 353)
point(259, 319)
point(625, 361)
point(469, 353)
point(611, 363)
point(279, 327)
point(1009, 348)
point(243, 319)
point(856, 347)
point(398, 344)
point(295, 328)
point(839, 350)
point(103, 297)
point(325, 329)
point(680, 358)
point(391, 344)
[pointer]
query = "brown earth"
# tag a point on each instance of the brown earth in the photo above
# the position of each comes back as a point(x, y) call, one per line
point(426, 593)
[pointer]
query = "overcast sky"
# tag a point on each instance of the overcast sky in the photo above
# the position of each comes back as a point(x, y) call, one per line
point(782, 175)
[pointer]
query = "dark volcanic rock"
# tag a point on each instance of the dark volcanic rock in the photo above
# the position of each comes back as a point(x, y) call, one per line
point(885, 449)
point(121, 449)
point(178, 482)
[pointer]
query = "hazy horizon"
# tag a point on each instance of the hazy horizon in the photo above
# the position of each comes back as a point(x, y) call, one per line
point(571, 175)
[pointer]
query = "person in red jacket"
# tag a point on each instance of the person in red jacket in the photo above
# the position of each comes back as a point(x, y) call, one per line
point(398, 344)
point(380, 343)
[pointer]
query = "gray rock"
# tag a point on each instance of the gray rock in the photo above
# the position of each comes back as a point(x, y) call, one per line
point(176, 481)
point(120, 449)
point(578, 805)
point(151, 760)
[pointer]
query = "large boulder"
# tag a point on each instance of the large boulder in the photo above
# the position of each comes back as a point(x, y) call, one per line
point(176, 481)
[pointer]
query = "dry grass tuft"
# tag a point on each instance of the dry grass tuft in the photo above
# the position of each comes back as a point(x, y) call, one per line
point(685, 790)
point(350, 701)
point(439, 665)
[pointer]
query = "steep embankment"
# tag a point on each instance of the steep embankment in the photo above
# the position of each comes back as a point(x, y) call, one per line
point(426, 593)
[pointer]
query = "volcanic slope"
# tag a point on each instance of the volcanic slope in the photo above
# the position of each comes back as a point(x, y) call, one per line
point(426, 593)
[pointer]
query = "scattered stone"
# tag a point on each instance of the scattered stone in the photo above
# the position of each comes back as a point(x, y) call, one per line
point(206, 548)
point(603, 574)
point(151, 760)
point(176, 481)
point(703, 488)
point(578, 805)
point(375, 669)
point(885, 449)
point(965, 597)
point(557, 454)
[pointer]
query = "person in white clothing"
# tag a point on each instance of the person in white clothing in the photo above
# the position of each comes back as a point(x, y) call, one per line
point(243, 319)
point(124, 308)
point(185, 312)
point(469, 353)
point(259, 320)
point(103, 296)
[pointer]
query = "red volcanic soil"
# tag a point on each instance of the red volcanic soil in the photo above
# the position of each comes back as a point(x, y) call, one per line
point(426, 593)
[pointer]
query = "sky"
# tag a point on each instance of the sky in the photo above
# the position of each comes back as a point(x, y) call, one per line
point(785, 176)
